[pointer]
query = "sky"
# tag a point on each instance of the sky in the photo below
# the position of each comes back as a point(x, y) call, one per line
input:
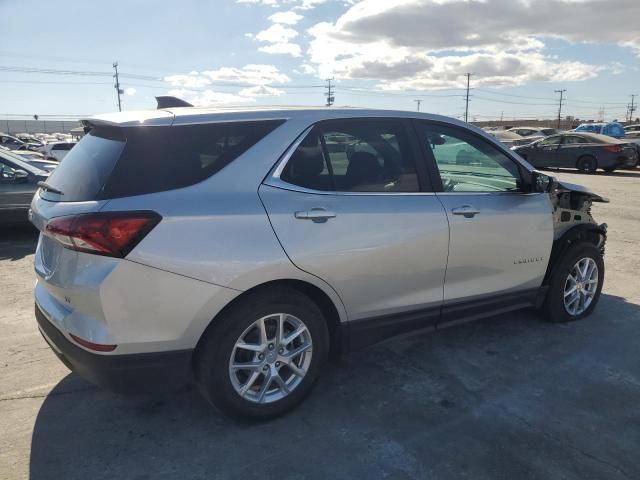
point(56, 56)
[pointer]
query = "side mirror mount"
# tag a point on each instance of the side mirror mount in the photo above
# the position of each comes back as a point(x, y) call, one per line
point(542, 183)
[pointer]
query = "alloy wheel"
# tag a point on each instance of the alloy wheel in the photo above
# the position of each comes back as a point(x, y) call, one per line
point(580, 286)
point(271, 358)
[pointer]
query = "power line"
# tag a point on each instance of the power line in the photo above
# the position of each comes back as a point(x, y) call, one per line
point(561, 92)
point(117, 85)
point(330, 95)
point(466, 110)
point(632, 107)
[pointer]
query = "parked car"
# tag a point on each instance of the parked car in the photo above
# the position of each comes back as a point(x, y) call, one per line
point(234, 247)
point(18, 183)
point(33, 158)
point(509, 139)
point(10, 142)
point(585, 151)
point(31, 139)
point(631, 128)
point(56, 150)
point(611, 129)
point(534, 133)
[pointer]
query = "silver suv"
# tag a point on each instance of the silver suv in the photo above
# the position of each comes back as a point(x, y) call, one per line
point(243, 248)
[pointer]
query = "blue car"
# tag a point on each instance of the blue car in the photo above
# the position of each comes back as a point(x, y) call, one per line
point(612, 129)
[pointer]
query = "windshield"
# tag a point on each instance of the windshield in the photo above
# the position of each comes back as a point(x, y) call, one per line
point(20, 163)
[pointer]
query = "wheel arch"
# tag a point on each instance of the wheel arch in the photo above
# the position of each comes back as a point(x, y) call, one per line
point(588, 232)
point(334, 314)
point(587, 155)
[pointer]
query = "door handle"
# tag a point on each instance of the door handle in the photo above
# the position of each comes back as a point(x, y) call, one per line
point(468, 211)
point(317, 215)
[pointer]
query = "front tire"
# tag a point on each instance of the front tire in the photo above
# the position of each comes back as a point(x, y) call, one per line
point(575, 286)
point(263, 355)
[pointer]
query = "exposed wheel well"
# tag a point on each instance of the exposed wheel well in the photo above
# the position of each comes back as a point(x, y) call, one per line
point(585, 233)
point(321, 299)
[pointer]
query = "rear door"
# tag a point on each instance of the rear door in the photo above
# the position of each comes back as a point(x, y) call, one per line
point(571, 148)
point(500, 235)
point(351, 205)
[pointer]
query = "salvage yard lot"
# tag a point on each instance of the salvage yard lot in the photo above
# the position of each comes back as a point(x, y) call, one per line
point(506, 397)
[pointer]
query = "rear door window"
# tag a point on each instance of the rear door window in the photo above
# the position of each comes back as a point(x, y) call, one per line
point(119, 162)
point(354, 156)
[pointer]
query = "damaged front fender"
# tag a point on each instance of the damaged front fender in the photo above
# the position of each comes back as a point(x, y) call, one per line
point(571, 205)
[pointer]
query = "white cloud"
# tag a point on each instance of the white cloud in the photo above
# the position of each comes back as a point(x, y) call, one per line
point(209, 97)
point(273, 3)
point(252, 74)
point(278, 37)
point(130, 91)
point(286, 18)
point(261, 91)
point(431, 43)
point(276, 33)
point(283, 48)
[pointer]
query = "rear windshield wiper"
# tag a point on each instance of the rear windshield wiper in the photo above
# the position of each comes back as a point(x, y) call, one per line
point(49, 188)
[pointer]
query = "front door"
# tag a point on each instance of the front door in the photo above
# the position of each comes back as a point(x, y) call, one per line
point(352, 206)
point(545, 152)
point(501, 236)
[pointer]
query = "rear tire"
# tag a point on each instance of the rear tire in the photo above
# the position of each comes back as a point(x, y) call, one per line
point(258, 393)
point(587, 164)
point(557, 306)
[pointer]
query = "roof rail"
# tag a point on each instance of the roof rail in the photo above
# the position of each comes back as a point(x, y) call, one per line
point(166, 101)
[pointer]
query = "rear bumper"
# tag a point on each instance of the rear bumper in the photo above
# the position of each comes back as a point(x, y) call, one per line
point(124, 373)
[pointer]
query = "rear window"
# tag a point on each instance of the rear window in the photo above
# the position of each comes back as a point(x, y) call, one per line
point(122, 162)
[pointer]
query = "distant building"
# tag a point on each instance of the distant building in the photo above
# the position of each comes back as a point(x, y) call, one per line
point(37, 126)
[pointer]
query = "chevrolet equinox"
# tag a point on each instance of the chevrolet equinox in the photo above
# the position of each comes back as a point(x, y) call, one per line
point(243, 248)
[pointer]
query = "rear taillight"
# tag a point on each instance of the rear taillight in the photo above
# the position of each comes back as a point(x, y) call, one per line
point(613, 148)
point(113, 234)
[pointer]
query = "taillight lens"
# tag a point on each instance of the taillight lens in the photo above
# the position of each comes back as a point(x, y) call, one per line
point(113, 234)
point(613, 148)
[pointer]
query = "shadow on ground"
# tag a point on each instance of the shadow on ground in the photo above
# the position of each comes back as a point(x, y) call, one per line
point(17, 242)
point(507, 397)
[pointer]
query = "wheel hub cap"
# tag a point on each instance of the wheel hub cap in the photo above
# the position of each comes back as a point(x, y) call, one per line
point(581, 286)
point(271, 358)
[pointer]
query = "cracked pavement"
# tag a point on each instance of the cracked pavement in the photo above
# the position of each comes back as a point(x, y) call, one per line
point(506, 397)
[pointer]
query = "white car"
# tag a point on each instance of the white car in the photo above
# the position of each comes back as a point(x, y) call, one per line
point(534, 133)
point(56, 151)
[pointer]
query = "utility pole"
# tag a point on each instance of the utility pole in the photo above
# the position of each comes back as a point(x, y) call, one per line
point(330, 95)
point(117, 85)
point(632, 107)
point(418, 102)
point(466, 110)
point(561, 92)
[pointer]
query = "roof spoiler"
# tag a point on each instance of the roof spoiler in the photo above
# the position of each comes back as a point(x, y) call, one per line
point(166, 101)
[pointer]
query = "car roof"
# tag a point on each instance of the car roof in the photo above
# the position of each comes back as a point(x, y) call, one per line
point(506, 135)
point(595, 137)
point(191, 115)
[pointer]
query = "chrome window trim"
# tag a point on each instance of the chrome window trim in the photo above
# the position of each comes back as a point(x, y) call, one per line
point(281, 184)
point(273, 179)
